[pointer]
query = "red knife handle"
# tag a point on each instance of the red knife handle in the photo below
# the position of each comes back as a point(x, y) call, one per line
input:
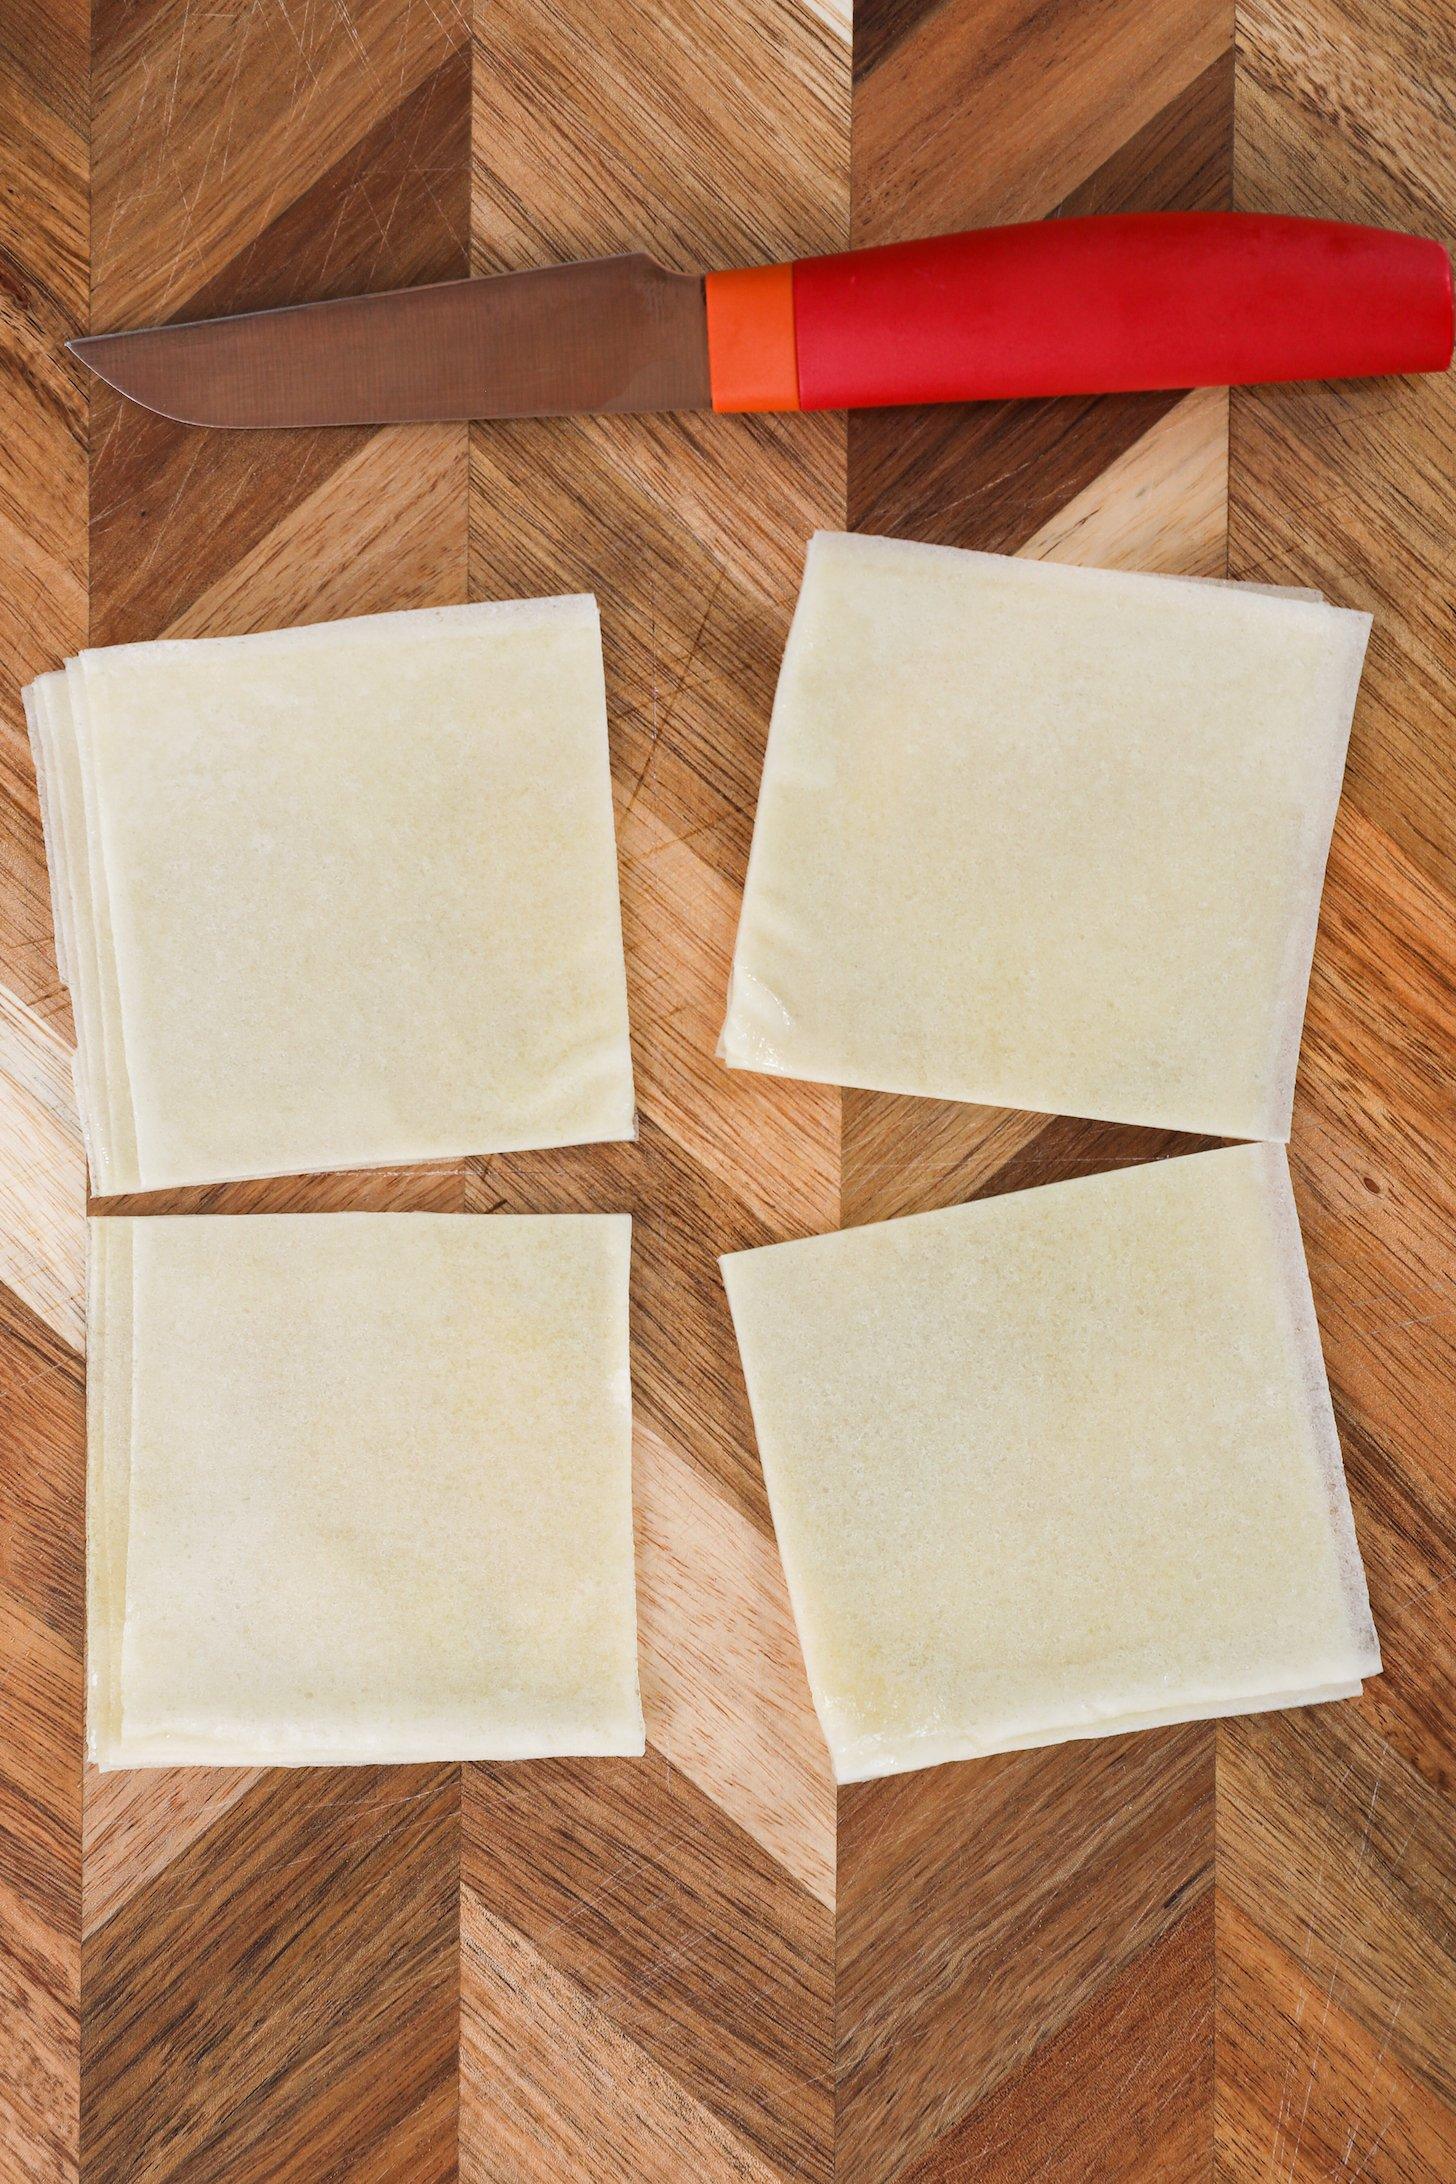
point(1123, 300)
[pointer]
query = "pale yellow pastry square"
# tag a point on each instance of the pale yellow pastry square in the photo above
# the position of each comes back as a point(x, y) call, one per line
point(1055, 1464)
point(345, 895)
point(360, 1489)
point(1043, 837)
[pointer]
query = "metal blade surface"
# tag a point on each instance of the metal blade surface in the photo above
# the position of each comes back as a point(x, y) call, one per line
point(606, 334)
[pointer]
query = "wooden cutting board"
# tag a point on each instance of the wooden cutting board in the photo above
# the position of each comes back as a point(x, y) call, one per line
point(1102, 1961)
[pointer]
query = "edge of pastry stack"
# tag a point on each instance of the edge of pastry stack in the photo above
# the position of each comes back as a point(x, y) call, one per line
point(337, 896)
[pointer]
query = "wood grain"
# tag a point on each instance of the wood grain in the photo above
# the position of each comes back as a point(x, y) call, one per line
point(272, 1972)
point(42, 1173)
point(677, 1918)
point(386, 210)
point(1140, 2042)
point(280, 1998)
point(1337, 1974)
point(42, 1470)
point(679, 1930)
point(44, 64)
point(983, 1910)
point(1285, 2048)
point(1204, 1950)
point(43, 289)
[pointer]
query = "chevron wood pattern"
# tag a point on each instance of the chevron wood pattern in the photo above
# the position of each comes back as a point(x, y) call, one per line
point(1198, 1952)
point(1334, 1833)
point(984, 1963)
point(43, 547)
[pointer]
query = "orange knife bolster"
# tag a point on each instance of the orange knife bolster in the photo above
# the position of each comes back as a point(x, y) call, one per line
point(752, 352)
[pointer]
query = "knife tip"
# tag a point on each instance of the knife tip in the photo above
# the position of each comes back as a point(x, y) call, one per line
point(98, 353)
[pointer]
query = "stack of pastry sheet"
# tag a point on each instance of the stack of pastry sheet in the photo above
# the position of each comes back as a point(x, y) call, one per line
point(1056, 1464)
point(1043, 837)
point(338, 896)
point(359, 1489)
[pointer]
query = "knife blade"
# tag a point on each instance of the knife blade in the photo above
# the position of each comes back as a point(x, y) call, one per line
point(1104, 304)
point(607, 334)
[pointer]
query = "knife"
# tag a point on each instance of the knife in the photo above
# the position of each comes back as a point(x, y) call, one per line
point(1081, 306)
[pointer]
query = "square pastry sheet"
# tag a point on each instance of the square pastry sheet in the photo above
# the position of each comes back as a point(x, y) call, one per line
point(1057, 1464)
point(338, 896)
point(359, 1489)
point(1043, 837)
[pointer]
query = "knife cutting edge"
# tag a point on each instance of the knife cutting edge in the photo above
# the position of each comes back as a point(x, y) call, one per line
point(1104, 304)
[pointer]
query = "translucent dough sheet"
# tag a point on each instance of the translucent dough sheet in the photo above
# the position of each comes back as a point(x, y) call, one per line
point(359, 1489)
point(1043, 837)
point(102, 1097)
point(92, 897)
point(34, 698)
point(108, 1475)
point(1056, 1464)
point(339, 896)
